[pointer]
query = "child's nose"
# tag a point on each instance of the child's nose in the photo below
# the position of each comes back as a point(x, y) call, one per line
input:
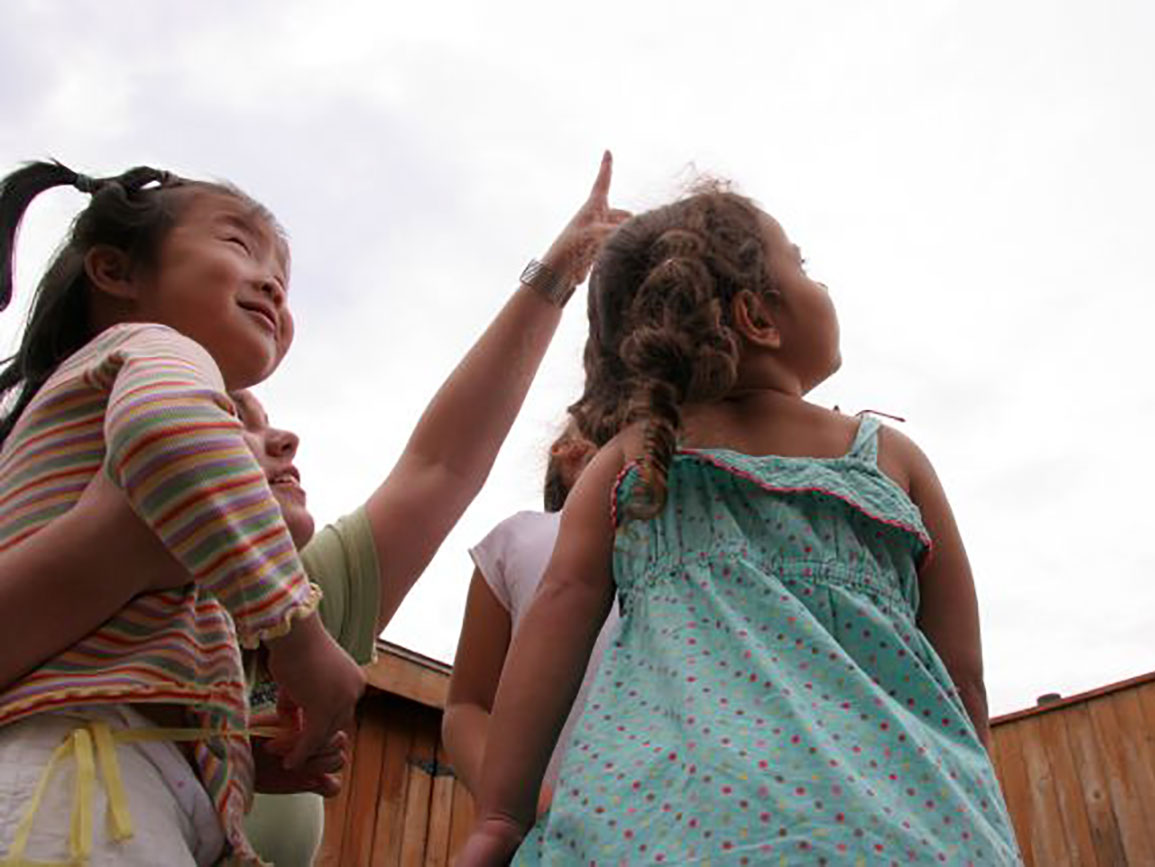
point(274, 290)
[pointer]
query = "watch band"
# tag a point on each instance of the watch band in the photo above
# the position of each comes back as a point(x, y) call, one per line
point(544, 279)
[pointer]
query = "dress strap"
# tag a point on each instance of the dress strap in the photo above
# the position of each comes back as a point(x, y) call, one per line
point(865, 445)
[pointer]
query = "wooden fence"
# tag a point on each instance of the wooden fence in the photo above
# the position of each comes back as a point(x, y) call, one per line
point(1078, 775)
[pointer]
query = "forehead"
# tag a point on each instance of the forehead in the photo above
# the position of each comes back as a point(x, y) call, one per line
point(208, 207)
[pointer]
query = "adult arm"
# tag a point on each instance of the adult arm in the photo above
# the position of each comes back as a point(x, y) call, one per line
point(454, 445)
point(101, 541)
point(481, 652)
point(546, 664)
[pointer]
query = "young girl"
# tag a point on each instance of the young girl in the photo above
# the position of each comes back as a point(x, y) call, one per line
point(797, 678)
point(508, 567)
point(166, 293)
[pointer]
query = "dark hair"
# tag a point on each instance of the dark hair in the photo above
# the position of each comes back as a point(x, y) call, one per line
point(131, 212)
point(555, 491)
point(661, 329)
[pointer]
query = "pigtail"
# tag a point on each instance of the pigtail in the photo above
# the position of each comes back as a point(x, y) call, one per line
point(16, 193)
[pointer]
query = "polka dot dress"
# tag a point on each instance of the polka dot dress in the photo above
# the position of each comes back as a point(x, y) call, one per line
point(769, 699)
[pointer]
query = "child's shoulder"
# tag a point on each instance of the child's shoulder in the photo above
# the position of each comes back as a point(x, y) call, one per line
point(900, 457)
point(150, 341)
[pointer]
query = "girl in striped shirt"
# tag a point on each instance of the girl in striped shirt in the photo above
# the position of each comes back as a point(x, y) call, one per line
point(166, 294)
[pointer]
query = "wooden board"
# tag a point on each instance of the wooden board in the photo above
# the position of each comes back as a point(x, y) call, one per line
point(400, 719)
point(1016, 789)
point(440, 813)
point(1048, 839)
point(414, 834)
point(1105, 834)
point(1079, 848)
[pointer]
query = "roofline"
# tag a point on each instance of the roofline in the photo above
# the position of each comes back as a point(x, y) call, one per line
point(1059, 704)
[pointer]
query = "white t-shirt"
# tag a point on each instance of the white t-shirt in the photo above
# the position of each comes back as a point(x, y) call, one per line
point(512, 559)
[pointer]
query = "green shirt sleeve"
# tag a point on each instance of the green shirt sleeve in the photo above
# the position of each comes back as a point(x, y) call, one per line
point(342, 560)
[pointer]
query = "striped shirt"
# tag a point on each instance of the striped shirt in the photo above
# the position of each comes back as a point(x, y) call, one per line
point(149, 406)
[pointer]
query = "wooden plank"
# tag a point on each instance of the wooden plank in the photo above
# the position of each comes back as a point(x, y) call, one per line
point(1105, 834)
point(336, 810)
point(398, 718)
point(1146, 696)
point(1016, 789)
point(364, 785)
point(440, 813)
point(1137, 745)
point(463, 814)
point(1048, 840)
point(417, 801)
point(409, 679)
point(1137, 841)
point(1076, 827)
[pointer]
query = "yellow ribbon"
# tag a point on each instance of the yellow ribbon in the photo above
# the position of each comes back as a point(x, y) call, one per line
point(95, 743)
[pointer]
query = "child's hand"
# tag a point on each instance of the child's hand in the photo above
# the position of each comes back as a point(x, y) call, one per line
point(314, 675)
point(572, 254)
point(492, 843)
point(320, 772)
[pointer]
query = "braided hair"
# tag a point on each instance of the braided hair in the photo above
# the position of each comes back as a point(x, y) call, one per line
point(132, 212)
point(661, 327)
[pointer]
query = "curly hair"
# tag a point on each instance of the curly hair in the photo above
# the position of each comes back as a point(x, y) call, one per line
point(661, 328)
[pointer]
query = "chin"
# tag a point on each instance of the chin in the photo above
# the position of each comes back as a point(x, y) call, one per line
point(301, 528)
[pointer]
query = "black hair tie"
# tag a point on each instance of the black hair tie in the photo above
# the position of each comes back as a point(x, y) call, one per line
point(86, 184)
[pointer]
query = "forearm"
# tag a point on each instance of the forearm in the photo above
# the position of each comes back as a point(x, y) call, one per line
point(465, 731)
point(548, 660)
point(71, 559)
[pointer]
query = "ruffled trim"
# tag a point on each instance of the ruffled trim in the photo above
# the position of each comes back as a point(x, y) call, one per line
point(797, 478)
point(297, 611)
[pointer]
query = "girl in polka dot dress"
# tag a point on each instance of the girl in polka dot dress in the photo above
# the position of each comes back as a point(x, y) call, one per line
point(797, 678)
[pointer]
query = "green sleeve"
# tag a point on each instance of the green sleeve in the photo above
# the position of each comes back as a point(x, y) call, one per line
point(342, 560)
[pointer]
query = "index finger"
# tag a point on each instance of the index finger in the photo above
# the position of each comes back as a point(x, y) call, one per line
point(601, 187)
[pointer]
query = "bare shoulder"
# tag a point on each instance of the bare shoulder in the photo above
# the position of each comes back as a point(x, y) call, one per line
point(900, 458)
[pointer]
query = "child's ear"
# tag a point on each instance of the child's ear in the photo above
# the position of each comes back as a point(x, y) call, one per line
point(755, 321)
point(110, 271)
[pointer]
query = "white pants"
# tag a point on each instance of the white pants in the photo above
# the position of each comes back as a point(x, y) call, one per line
point(173, 820)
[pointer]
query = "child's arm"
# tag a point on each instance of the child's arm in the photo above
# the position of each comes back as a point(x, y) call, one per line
point(452, 449)
point(546, 663)
point(481, 653)
point(948, 611)
point(177, 451)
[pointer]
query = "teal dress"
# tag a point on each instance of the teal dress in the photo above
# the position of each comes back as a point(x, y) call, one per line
point(768, 698)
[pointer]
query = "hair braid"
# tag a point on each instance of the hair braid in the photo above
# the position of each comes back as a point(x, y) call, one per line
point(661, 334)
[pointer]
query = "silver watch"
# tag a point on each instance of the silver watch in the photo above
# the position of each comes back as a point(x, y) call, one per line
point(544, 279)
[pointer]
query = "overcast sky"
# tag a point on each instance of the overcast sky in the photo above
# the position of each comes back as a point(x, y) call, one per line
point(973, 180)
